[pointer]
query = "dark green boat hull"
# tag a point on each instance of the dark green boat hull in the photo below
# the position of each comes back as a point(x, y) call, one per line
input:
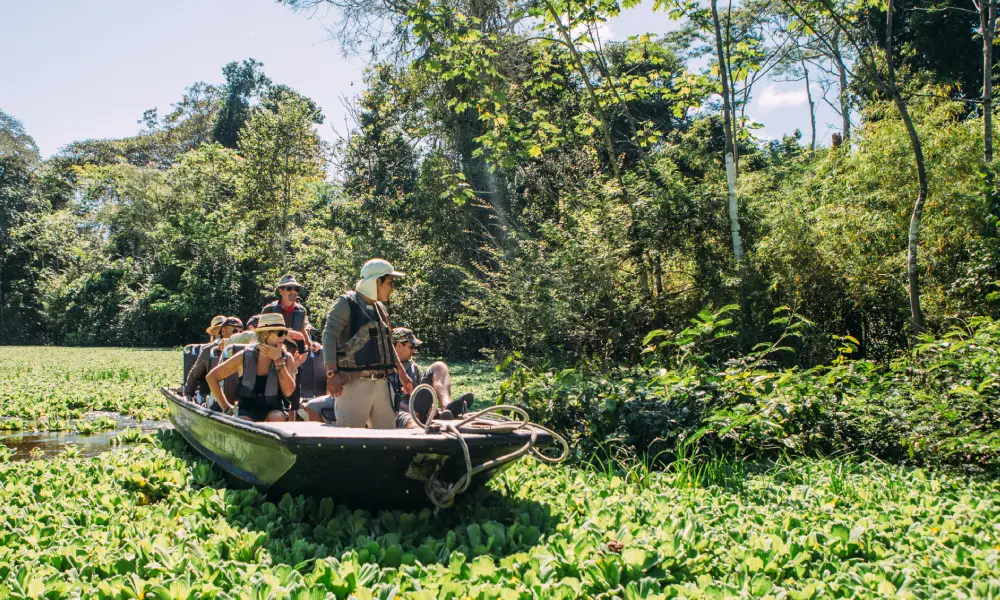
point(364, 468)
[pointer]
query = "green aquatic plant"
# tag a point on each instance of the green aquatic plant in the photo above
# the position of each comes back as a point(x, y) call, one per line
point(155, 520)
point(64, 385)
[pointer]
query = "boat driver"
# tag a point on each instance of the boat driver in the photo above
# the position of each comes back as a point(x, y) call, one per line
point(359, 354)
point(437, 376)
point(267, 375)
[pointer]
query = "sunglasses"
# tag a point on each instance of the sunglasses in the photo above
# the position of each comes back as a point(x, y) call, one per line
point(288, 289)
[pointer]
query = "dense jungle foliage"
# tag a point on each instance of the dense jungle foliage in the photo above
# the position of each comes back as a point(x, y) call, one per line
point(479, 165)
point(563, 202)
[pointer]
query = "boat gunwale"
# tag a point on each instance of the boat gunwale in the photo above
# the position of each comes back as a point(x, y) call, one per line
point(413, 440)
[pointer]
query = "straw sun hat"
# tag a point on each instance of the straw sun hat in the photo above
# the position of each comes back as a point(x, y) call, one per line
point(270, 322)
point(217, 322)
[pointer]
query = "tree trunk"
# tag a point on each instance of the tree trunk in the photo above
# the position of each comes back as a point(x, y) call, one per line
point(845, 100)
point(987, 22)
point(636, 250)
point(812, 110)
point(912, 266)
point(734, 222)
point(658, 274)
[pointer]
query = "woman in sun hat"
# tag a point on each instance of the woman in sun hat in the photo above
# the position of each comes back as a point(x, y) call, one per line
point(266, 374)
point(358, 351)
point(214, 327)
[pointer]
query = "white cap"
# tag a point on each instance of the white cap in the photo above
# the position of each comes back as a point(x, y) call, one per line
point(379, 267)
point(370, 272)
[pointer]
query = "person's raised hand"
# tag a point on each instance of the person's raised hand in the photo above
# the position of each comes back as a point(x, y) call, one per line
point(296, 335)
point(272, 352)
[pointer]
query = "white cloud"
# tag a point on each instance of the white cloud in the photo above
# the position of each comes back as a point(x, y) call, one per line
point(773, 98)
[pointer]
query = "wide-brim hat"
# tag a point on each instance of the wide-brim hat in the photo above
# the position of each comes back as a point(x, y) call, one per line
point(217, 322)
point(270, 322)
point(288, 281)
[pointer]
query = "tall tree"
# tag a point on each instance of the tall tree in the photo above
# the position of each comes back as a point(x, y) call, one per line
point(244, 82)
point(987, 10)
point(282, 155)
point(880, 69)
point(728, 124)
point(14, 141)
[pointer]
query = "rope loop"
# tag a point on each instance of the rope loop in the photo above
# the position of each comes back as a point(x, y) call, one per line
point(489, 420)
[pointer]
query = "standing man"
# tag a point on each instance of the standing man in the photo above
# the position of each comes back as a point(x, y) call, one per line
point(287, 305)
point(358, 351)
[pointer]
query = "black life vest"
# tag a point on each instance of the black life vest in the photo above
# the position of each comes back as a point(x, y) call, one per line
point(296, 320)
point(369, 341)
point(272, 391)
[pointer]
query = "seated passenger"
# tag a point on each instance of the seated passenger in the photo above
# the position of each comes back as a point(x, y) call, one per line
point(195, 387)
point(247, 336)
point(267, 375)
point(437, 376)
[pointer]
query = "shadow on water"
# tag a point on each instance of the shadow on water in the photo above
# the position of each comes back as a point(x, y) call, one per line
point(31, 445)
point(298, 529)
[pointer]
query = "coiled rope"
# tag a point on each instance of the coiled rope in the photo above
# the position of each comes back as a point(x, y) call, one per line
point(489, 420)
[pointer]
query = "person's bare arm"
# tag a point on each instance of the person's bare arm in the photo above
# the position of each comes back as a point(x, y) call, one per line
point(306, 325)
point(286, 376)
point(404, 379)
point(215, 376)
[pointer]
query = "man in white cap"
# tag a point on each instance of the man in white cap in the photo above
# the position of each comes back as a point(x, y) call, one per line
point(359, 353)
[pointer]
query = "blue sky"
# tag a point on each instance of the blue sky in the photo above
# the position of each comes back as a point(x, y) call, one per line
point(72, 70)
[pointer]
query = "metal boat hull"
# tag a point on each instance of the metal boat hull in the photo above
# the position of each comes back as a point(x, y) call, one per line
point(366, 468)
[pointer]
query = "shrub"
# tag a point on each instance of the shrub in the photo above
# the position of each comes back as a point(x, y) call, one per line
point(937, 405)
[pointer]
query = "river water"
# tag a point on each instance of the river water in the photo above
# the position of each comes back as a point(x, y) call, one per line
point(29, 445)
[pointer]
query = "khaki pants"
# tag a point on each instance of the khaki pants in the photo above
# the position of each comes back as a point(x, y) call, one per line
point(365, 402)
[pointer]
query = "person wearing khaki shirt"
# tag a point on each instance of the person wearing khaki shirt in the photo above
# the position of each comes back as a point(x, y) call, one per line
point(359, 353)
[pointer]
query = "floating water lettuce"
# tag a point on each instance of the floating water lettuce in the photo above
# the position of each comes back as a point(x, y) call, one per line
point(153, 520)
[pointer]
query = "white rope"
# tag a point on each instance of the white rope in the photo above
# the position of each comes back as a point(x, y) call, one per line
point(488, 420)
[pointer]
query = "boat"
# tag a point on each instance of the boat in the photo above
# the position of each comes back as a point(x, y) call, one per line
point(365, 468)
